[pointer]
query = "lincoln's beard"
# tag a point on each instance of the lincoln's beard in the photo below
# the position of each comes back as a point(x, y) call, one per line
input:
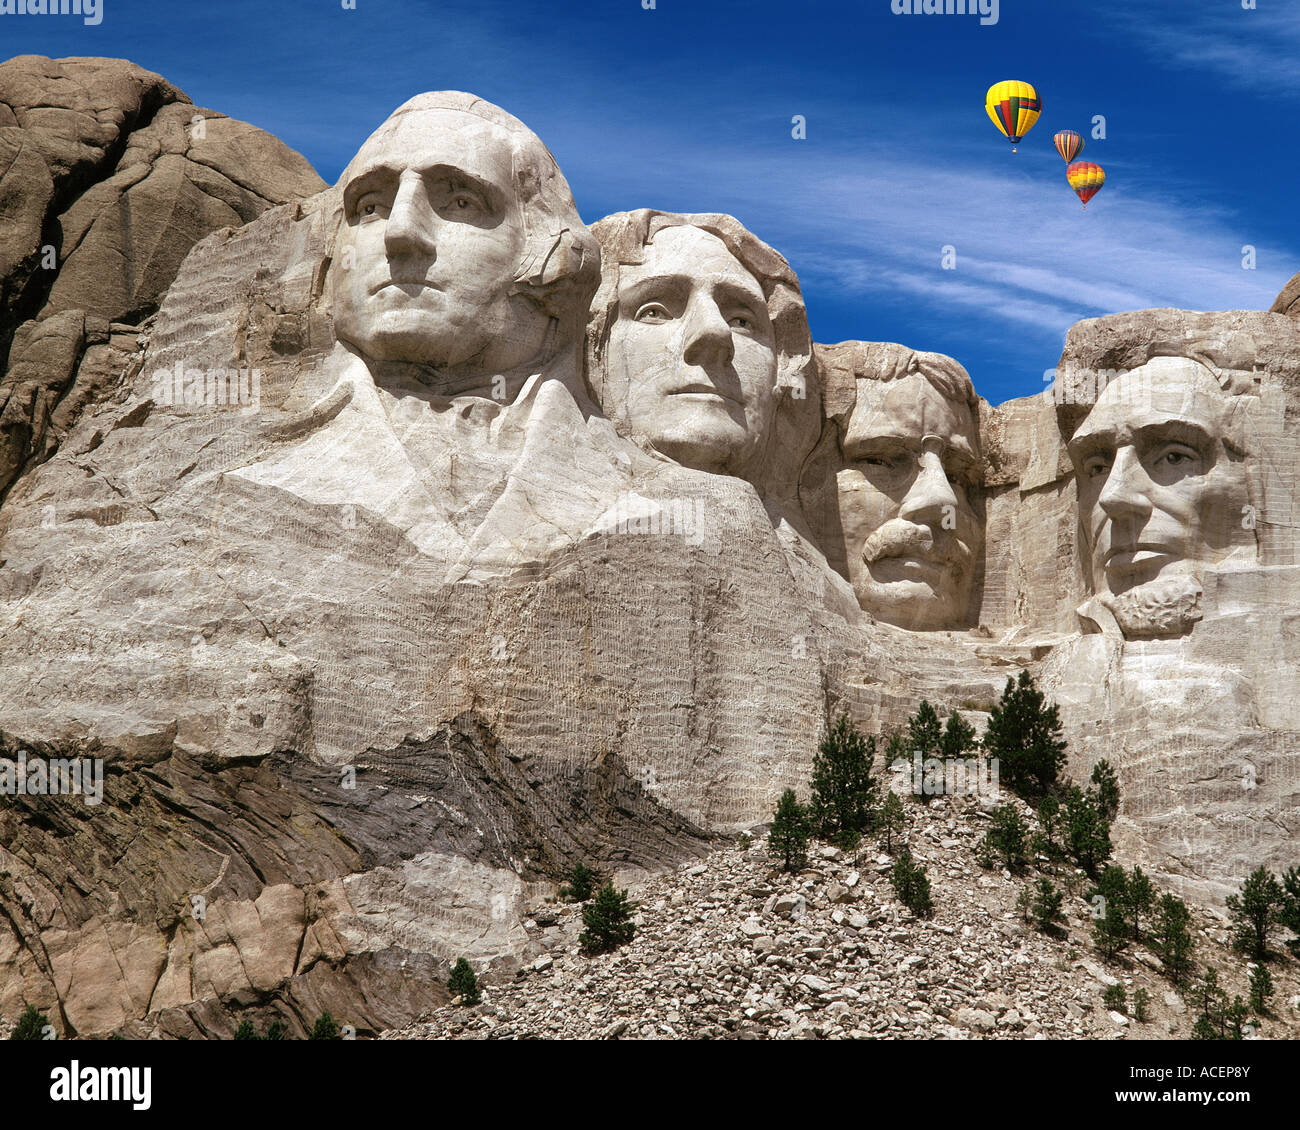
point(1158, 609)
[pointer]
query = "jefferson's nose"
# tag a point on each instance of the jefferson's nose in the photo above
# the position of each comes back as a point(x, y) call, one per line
point(409, 229)
point(930, 494)
point(707, 335)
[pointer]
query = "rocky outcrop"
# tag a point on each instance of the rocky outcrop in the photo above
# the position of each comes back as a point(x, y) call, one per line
point(108, 176)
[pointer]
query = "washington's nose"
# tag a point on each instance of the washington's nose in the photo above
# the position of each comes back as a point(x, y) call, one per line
point(1124, 494)
point(707, 335)
point(409, 229)
point(931, 498)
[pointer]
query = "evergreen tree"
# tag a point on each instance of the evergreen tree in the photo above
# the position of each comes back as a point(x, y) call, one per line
point(1107, 786)
point(1172, 940)
point(464, 984)
point(1261, 987)
point(1005, 838)
point(912, 884)
point(1111, 928)
point(275, 1031)
point(325, 1028)
point(1252, 911)
point(1045, 904)
point(1208, 994)
point(1087, 833)
point(843, 789)
point(1115, 997)
point(924, 734)
point(893, 820)
point(791, 831)
point(1024, 735)
point(958, 737)
point(1141, 1005)
point(581, 884)
point(1288, 913)
point(1048, 841)
point(246, 1031)
point(896, 748)
point(1141, 898)
point(31, 1025)
point(608, 921)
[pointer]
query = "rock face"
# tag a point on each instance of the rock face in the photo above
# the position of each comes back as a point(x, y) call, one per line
point(108, 176)
point(418, 543)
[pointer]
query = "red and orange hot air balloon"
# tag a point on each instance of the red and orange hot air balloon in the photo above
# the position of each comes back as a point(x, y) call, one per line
point(1014, 107)
point(1068, 144)
point(1086, 179)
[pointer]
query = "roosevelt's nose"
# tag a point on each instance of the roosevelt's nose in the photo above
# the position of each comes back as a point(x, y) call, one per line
point(409, 229)
point(707, 335)
point(1124, 494)
point(930, 498)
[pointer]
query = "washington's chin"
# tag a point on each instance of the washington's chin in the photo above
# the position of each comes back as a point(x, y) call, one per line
point(419, 337)
point(721, 450)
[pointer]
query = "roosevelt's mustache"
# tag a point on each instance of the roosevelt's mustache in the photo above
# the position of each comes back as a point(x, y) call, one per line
point(900, 538)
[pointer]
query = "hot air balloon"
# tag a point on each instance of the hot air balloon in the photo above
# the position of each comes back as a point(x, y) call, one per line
point(1014, 107)
point(1068, 144)
point(1086, 179)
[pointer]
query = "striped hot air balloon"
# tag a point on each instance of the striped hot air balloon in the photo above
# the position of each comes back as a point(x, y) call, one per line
point(1014, 107)
point(1068, 144)
point(1086, 179)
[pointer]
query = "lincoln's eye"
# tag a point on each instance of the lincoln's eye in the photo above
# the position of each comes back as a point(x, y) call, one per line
point(653, 312)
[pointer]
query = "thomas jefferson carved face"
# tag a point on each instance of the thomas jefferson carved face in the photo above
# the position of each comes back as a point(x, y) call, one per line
point(692, 362)
point(1162, 491)
point(912, 535)
point(431, 241)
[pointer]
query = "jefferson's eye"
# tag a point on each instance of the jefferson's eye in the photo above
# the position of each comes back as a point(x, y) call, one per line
point(654, 313)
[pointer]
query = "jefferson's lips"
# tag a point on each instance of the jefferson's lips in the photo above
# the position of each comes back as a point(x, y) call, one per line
point(399, 283)
point(703, 390)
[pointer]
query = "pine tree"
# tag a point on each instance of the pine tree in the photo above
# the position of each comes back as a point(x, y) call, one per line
point(1141, 898)
point(1005, 838)
point(911, 884)
point(1141, 1005)
point(246, 1031)
point(843, 790)
point(1288, 913)
point(582, 882)
point(1045, 904)
point(1107, 785)
point(1115, 997)
point(893, 820)
point(1252, 911)
point(1087, 833)
point(1172, 939)
point(1261, 987)
point(325, 1028)
point(464, 984)
point(1048, 841)
point(958, 737)
point(31, 1025)
point(1111, 928)
point(275, 1031)
point(1025, 736)
point(791, 831)
point(608, 921)
point(924, 734)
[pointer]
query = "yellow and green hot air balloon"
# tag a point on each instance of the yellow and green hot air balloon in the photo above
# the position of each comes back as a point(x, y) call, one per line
point(1014, 107)
point(1086, 179)
point(1068, 144)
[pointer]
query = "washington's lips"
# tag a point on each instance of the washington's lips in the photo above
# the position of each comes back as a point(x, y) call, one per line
point(701, 389)
point(404, 284)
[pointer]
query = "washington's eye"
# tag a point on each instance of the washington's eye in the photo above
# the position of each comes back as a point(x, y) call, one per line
point(741, 322)
point(653, 312)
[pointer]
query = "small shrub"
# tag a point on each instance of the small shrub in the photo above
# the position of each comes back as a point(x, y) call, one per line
point(1115, 997)
point(462, 983)
point(1005, 838)
point(325, 1028)
point(31, 1025)
point(791, 831)
point(246, 1031)
point(581, 884)
point(276, 1031)
point(608, 921)
point(912, 884)
point(1045, 904)
point(893, 821)
point(1141, 1005)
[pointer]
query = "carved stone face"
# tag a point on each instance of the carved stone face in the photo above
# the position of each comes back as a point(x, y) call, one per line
point(1160, 494)
point(431, 240)
point(912, 536)
point(692, 355)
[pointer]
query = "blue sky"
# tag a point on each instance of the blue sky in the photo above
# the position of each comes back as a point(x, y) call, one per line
point(688, 107)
